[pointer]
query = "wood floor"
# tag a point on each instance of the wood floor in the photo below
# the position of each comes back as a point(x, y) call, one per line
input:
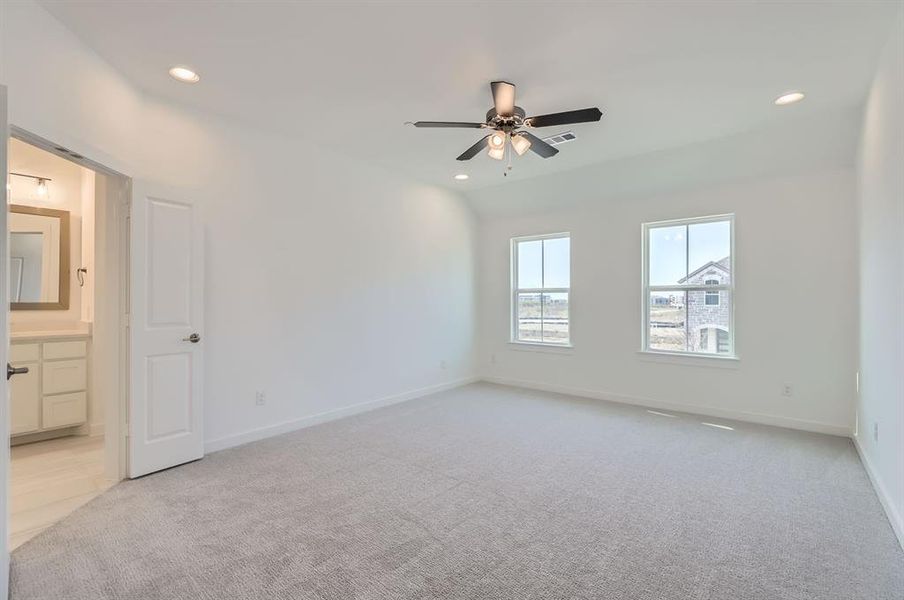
point(51, 479)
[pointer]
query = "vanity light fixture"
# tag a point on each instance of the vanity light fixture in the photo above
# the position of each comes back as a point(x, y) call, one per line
point(461, 177)
point(184, 74)
point(42, 190)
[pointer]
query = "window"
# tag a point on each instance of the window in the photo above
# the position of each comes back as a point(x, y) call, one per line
point(712, 297)
point(541, 281)
point(688, 285)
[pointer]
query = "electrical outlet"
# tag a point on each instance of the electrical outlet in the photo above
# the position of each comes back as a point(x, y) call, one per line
point(876, 432)
point(787, 390)
point(259, 399)
point(442, 365)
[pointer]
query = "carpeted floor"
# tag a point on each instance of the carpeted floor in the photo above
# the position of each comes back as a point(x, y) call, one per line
point(490, 493)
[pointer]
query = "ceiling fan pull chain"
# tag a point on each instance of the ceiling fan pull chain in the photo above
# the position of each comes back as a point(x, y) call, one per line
point(508, 149)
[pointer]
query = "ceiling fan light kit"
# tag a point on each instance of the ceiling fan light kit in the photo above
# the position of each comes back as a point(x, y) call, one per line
point(509, 122)
point(520, 144)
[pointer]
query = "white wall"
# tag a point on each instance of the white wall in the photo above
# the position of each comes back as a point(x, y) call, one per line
point(881, 212)
point(85, 257)
point(328, 282)
point(795, 297)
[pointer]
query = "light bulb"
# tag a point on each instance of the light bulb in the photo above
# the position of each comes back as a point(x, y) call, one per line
point(520, 143)
point(42, 187)
point(497, 153)
point(497, 140)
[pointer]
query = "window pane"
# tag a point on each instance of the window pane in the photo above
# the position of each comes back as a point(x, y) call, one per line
point(668, 255)
point(555, 318)
point(668, 321)
point(556, 254)
point(709, 324)
point(709, 252)
point(529, 312)
point(530, 264)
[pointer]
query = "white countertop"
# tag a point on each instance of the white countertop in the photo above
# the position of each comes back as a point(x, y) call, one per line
point(49, 334)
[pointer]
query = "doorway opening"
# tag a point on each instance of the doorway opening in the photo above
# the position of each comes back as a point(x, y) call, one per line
point(68, 353)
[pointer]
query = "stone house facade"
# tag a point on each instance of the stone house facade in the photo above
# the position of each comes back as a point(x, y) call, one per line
point(709, 312)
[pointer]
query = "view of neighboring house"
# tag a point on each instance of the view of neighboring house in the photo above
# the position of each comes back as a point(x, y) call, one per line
point(709, 312)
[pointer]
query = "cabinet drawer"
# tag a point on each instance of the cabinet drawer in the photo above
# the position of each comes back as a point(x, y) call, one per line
point(61, 376)
point(23, 353)
point(65, 410)
point(25, 401)
point(56, 350)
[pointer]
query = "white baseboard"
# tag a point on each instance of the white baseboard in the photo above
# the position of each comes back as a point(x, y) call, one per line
point(253, 435)
point(735, 415)
point(897, 523)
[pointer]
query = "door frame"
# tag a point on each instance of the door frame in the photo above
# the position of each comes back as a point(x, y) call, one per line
point(109, 340)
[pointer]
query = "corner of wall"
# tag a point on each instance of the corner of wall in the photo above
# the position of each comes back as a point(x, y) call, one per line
point(880, 402)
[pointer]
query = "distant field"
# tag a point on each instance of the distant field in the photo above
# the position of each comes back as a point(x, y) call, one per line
point(667, 328)
point(555, 318)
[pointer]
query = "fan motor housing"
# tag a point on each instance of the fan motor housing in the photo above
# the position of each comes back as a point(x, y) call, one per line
point(511, 122)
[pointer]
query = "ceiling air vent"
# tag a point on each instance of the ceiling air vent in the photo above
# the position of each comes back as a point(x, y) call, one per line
point(560, 138)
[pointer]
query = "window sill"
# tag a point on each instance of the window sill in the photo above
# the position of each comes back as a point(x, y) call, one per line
point(693, 360)
point(541, 347)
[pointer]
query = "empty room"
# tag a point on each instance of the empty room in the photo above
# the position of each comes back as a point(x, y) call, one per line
point(392, 300)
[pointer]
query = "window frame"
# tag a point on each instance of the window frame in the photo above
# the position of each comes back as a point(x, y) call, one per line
point(647, 289)
point(515, 290)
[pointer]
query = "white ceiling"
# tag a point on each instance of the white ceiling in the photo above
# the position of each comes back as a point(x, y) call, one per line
point(348, 75)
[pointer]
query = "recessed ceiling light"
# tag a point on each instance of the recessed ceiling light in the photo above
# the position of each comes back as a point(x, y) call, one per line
point(461, 177)
point(184, 74)
point(789, 98)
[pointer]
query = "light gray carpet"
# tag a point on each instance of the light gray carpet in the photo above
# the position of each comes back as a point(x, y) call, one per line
point(488, 493)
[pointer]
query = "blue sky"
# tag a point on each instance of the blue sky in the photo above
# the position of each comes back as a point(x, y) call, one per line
point(554, 272)
point(677, 251)
point(674, 252)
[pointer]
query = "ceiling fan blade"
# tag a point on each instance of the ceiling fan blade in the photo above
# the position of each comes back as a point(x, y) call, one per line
point(585, 115)
point(475, 149)
point(503, 97)
point(539, 146)
point(450, 124)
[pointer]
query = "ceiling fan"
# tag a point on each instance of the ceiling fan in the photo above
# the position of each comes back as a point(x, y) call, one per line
point(507, 123)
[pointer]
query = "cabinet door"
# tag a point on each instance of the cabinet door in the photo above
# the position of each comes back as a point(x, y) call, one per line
point(25, 400)
point(65, 410)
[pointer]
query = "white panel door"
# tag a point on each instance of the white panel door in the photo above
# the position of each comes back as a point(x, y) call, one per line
point(166, 387)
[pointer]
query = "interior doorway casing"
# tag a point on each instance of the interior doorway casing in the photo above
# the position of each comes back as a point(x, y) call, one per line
point(110, 330)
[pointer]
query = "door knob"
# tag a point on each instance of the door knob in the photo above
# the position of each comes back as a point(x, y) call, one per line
point(11, 370)
point(193, 338)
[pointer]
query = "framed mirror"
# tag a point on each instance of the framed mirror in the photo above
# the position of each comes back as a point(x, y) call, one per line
point(39, 258)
